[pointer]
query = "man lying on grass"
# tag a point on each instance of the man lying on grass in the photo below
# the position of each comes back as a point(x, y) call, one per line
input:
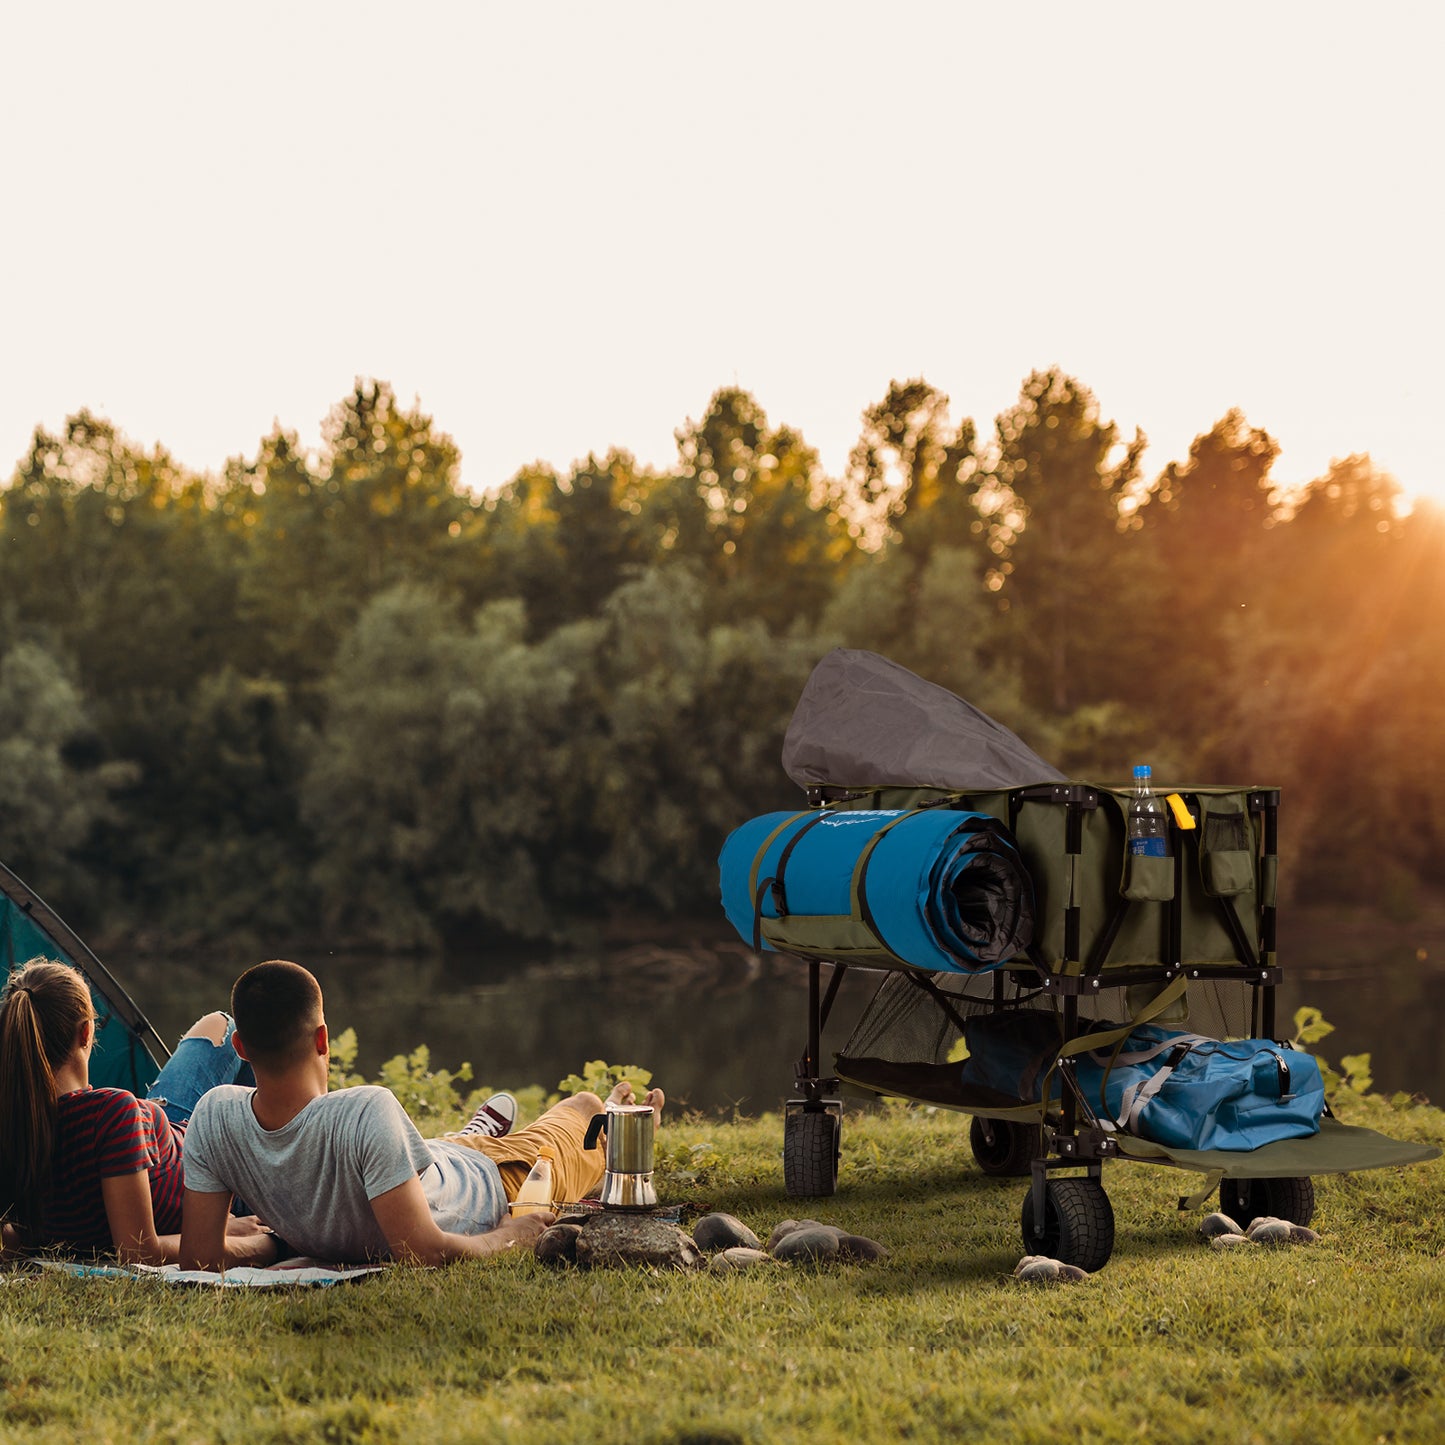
point(346, 1176)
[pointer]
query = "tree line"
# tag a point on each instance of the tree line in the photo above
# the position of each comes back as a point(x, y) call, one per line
point(337, 697)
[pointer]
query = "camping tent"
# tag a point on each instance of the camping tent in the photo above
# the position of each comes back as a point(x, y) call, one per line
point(128, 1050)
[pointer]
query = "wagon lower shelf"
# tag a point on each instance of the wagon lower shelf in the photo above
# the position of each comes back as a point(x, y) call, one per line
point(1069, 1215)
point(1336, 1149)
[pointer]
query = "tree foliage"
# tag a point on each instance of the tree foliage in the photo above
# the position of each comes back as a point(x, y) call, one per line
point(331, 694)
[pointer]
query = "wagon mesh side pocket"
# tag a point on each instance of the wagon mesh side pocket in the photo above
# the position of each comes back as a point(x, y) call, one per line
point(1226, 855)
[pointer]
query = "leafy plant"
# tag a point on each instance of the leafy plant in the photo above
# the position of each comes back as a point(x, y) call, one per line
point(1354, 1074)
point(532, 1100)
point(435, 1100)
point(681, 1164)
point(342, 1063)
point(429, 1096)
point(600, 1078)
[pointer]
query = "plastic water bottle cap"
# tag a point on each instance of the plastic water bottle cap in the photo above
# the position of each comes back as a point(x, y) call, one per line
point(1142, 771)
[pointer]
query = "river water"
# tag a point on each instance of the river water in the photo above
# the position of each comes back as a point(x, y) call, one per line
point(720, 1029)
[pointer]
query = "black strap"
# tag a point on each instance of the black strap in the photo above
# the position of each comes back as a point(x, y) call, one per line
point(758, 915)
point(775, 883)
point(860, 883)
point(780, 897)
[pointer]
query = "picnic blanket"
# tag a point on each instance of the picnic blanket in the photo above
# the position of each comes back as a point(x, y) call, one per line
point(288, 1274)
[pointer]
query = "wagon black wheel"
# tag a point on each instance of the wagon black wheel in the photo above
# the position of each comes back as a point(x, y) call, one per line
point(1078, 1223)
point(1003, 1147)
point(810, 1152)
point(1244, 1200)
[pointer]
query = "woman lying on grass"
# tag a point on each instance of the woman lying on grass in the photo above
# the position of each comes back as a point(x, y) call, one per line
point(86, 1170)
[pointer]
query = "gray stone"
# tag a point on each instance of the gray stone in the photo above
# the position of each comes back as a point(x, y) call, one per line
point(1302, 1234)
point(789, 1226)
point(814, 1242)
point(1259, 1221)
point(1217, 1223)
point(609, 1240)
point(781, 1230)
point(863, 1251)
point(558, 1245)
point(1227, 1241)
point(1270, 1231)
point(739, 1258)
point(723, 1231)
point(1036, 1269)
point(1041, 1269)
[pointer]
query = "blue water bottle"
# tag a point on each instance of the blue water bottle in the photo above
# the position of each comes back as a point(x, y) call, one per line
point(1148, 829)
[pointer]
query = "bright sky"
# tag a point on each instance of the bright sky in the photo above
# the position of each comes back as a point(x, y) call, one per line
point(562, 226)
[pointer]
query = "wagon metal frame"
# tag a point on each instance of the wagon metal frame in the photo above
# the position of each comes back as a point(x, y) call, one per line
point(1092, 936)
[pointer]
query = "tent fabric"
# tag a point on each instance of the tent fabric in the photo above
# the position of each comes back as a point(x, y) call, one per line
point(863, 719)
point(934, 889)
point(127, 1049)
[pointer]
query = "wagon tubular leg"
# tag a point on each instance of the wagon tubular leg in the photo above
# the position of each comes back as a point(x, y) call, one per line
point(1266, 805)
point(1038, 1186)
point(810, 1084)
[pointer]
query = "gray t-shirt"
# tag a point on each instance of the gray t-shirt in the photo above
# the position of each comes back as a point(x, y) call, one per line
point(313, 1179)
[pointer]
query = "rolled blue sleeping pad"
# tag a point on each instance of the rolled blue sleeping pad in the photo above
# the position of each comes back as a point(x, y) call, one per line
point(935, 888)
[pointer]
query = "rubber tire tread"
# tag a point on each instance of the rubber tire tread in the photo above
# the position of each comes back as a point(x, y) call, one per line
point(810, 1153)
point(1078, 1224)
point(1244, 1200)
point(1013, 1151)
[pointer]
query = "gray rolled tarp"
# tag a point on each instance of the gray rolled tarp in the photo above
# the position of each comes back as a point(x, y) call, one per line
point(863, 720)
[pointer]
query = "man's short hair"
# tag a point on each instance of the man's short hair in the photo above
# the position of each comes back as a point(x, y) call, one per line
point(277, 1007)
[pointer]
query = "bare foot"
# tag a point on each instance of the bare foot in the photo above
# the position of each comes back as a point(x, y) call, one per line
point(624, 1093)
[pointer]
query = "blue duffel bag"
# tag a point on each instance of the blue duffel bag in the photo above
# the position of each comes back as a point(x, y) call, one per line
point(1186, 1091)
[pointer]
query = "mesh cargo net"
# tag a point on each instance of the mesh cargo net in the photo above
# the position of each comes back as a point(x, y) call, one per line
point(902, 1043)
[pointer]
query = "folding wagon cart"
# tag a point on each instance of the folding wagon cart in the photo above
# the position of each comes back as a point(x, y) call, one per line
point(1024, 947)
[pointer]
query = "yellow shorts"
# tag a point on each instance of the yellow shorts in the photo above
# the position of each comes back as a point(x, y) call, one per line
point(576, 1172)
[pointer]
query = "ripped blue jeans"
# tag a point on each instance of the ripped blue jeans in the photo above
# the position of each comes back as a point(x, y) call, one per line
point(197, 1065)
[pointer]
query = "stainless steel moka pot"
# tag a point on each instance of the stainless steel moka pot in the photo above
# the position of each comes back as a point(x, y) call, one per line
point(627, 1183)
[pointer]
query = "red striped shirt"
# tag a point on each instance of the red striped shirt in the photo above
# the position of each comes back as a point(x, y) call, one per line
point(103, 1134)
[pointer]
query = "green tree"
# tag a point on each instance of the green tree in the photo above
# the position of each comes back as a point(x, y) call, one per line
point(1212, 510)
point(219, 851)
point(912, 470)
point(562, 544)
point(288, 617)
point(111, 548)
point(517, 551)
point(694, 721)
point(1338, 692)
point(775, 546)
point(53, 792)
point(389, 494)
point(1212, 522)
point(432, 791)
point(380, 505)
point(1054, 498)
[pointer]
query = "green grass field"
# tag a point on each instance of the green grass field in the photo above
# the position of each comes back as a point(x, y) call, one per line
point(1341, 1341)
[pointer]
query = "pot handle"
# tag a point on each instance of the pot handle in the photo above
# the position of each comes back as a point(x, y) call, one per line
point(594, 1128)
